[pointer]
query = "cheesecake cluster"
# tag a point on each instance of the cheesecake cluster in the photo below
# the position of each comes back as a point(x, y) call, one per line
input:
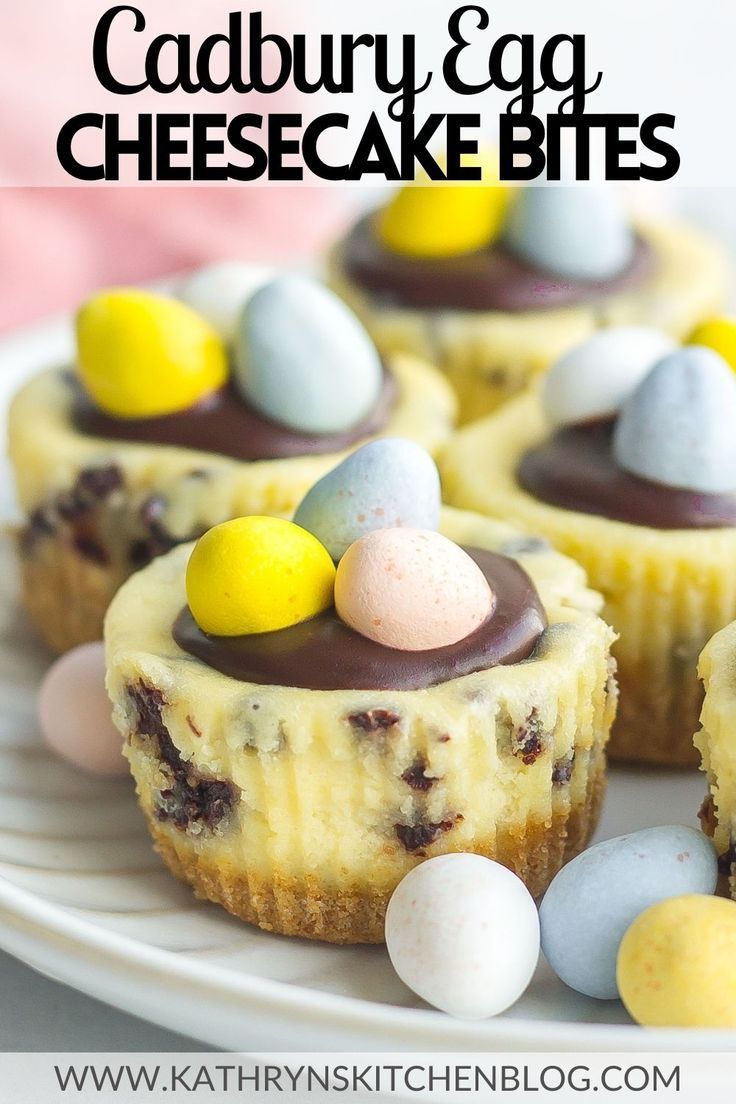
point(365, 540)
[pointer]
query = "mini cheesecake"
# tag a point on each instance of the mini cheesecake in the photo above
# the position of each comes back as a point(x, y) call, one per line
point(715, 740)
point(493, 319)
point(294, 777)
point(104, 494)
point(660, 554)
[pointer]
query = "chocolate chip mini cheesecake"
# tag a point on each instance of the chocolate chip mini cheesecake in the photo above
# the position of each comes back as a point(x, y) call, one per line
point(302, 735)
point(715, 742)
point(625, 459)
point(162, 429)
point(494, 286)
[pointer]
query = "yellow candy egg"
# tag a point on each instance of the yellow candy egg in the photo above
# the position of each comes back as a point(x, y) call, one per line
point(257, 574)
point(677, 964)
point(141, 355)
point(441, 220)
point(718, 334)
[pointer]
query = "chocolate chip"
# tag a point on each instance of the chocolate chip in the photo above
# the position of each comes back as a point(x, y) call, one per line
point(415, 777)
point(40, 524)
point(100, 482)
point(152, 509)
point(191, 799)
point(529, 739)
point(70, 505)
point(206, 802)
point(91, 549)
point(374, 720)
point(562, 771)
point(416, 836)
point(727, 860)
point(148, 703)
point(497, 377)
point(707, 815)
point(139, 554)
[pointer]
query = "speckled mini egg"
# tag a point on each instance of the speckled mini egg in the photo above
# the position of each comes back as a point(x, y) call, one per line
point(220, 291)
point(594, 899)
point(391, 482)
point(677, 428)
point(443, 219)
point(304, 360)
point(677, 964)
point(257, 575)
point(463, 933)
point(75, 714)
point(411, 589)
point(581, 233)
point(718, 334)
point(594, 378)
point(141, 355)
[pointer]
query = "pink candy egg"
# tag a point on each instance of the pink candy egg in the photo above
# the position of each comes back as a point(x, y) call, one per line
point(75, 713)
point(411, 589)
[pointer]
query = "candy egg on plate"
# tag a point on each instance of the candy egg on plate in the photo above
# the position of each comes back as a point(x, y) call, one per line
point(304, 360)
point(595, 897)
point(462, 932)
point(386, 483)
point(75, 714)
point(677, 964)
point(411, 589)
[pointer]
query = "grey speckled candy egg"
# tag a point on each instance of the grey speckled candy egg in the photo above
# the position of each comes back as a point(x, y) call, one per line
point(677, 428)
point(304, 360)
point(593, 900)
point(582, 233)
point(386, 483)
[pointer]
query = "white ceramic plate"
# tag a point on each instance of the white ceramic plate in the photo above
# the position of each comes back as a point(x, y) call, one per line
point(84, 899)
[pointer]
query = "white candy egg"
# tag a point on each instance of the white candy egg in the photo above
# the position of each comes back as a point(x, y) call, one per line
point(75, 714)
point(594, 378)
point(462, 932)
point(220, 291)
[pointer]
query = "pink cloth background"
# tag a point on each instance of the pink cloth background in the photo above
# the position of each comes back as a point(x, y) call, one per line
point(58, 244)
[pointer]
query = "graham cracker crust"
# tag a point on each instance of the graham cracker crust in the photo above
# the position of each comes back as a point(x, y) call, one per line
point(355, 914)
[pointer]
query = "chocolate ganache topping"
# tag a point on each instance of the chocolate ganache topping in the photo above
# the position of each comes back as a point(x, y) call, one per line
point(487, 279)
point(576, 470)
point(223, 423)
point(323, 653)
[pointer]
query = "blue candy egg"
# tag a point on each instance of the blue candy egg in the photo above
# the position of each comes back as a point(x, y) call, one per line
point(304, 360)
point(593, 900)
point(580, 233)
point(386, 483)
point(677, 428)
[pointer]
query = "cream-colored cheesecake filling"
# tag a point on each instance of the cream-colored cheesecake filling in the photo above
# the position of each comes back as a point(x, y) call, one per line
point(349, 789)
